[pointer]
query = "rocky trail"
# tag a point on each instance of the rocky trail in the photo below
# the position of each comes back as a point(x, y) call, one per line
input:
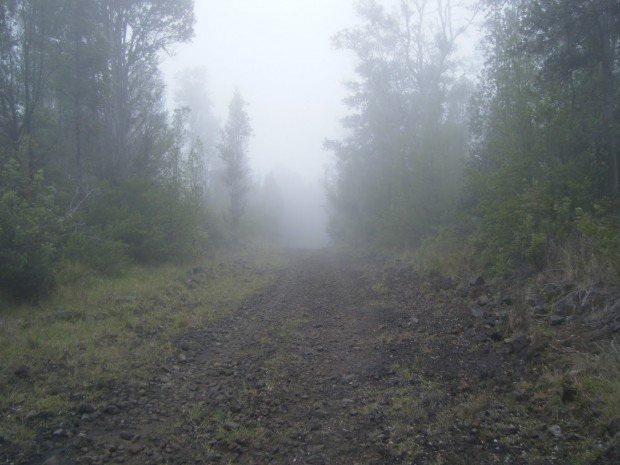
point(339, 364)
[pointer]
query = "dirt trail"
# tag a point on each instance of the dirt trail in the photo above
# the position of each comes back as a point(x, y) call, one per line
point(320, 369)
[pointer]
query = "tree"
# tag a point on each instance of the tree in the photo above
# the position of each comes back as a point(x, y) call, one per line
point(399, 170)
point(201, 130)
point(79, 92)
point(137, 32)
point(233, 148)
point(82, 112)
point(543, 157)
point(27, 30)
point(578, 41)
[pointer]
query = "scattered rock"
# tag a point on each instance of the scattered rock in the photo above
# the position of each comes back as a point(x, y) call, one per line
point(556, 320)
point(476, 312)
point(111, 410)
point(230, 425)
point(83, 407)
point(569, 393)
point(477, 281)
point(21, 371)
point(38, 415)
point(555, 431)
point(517, 343)
point(53, 460)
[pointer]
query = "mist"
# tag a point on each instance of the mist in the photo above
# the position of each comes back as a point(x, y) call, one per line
point(280, 57)
point(230, 228)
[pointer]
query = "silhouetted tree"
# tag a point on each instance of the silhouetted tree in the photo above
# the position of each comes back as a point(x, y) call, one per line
point(233, 152)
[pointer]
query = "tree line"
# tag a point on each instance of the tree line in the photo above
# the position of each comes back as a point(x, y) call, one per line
point(517, 166)
point(94, 172)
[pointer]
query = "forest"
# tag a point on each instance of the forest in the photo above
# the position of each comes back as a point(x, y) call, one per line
point(487, 182)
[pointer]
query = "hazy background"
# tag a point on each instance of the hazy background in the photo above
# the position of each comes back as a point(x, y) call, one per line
point(279, 54)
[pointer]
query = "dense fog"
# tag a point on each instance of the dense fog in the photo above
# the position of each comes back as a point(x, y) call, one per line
point(279, 55)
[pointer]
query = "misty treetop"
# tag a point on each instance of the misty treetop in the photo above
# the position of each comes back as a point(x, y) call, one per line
point(233, 153)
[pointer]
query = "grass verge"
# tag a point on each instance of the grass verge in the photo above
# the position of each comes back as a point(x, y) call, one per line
point(104, 330)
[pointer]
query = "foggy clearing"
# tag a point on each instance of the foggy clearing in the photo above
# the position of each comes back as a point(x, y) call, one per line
point(309, 232)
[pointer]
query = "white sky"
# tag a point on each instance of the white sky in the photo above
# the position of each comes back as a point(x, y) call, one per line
point(278, 53)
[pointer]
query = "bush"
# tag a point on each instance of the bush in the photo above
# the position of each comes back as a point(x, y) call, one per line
point(157, 223)
point(90, 249)
point(29, 232)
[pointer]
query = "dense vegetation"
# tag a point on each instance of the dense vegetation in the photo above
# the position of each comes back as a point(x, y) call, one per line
point(513, 167)
point(520, 170)
point(94, 173)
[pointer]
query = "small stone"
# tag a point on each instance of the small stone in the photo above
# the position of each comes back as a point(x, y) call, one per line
point(477, 281)
point(21, 371)
point(569, 393)
point(111, 410)
point(556, 320)
point(136, 449)
point(556, 431)
point(182, 358)
point(59, 432)
point(84, 408)
point(230, 425)
point(127, 436)
point(53, 460)
point(34, 415)
point(477, 312)
point(517, 343)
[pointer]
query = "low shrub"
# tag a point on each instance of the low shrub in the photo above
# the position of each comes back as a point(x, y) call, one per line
point(29, 233)
point(155, 222)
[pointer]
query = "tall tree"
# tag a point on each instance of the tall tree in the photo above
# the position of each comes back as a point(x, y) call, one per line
point(28, 30)
point(577, 42)
point(399, 170)
point(544, 152)
point(202, 130)
point(233, 148)
point(79, 91)
point(137, 32)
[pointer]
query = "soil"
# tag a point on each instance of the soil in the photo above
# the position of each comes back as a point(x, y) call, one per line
point(340, 362)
